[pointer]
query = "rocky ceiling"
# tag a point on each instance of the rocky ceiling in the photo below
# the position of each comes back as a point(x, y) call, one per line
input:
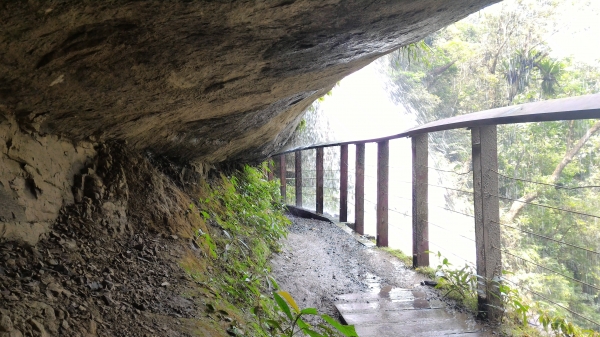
point(194, 80)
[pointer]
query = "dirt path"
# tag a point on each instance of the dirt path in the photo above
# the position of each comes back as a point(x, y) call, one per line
point(320, 261)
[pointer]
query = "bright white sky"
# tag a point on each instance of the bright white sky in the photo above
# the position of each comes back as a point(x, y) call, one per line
point(579, 34)
point(360, 107)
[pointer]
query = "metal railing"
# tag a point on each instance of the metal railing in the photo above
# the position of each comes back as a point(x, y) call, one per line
point(486, 198)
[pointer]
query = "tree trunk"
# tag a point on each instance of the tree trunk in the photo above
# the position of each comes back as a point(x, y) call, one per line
point(517, 206)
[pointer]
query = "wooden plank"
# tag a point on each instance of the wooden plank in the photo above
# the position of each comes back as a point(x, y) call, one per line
point(420, 215)
point(320, 186)
point(343, 183)
point(298, 176)
point(359, 190)
point(282, 177)
point(487, 219)
point(383, 174)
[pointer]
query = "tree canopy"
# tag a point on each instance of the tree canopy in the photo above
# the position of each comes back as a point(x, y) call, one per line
point(499, 58)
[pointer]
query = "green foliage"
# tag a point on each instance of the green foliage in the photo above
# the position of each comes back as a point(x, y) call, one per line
point(499, 58)
point(427, 271)
point(416, 52)
point(407, 260)
point(301, 126)
point(246, 221)
point(246, 213)
point(289, 320)
point(518, 310)
point(459, 284)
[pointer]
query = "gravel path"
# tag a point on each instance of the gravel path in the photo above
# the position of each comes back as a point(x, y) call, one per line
point(319, 261)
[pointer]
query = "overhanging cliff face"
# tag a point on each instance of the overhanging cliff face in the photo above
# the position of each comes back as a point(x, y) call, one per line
point(206, 81)
point(215, 81)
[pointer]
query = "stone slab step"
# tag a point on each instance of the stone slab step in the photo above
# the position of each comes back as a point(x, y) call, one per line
point(404, 316)
point(403, 312)
point(442, 328)
point(388, 305)
point(392, 294)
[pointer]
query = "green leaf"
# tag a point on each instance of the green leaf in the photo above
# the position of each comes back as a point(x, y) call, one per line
point(289, 299)
point(274, 324)
point(312, 333)
point(283, 306)
point(346, 330)
point(302, 324)
point(309, 311)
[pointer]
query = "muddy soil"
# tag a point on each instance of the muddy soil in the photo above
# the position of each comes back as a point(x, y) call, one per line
point(319, 261)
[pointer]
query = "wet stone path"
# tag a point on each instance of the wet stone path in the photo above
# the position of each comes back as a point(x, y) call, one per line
point(324, 266)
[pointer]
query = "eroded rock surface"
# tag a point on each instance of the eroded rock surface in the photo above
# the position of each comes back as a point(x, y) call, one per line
point(111, 264)
point(214, 81)
point(36, 175)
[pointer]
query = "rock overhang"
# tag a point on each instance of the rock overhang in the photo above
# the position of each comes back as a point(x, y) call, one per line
point(194, 80)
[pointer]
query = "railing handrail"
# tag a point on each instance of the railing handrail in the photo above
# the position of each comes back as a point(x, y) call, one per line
point(485, 190)
point(571, 108)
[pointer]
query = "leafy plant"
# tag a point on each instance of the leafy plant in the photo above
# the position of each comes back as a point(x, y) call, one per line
point(517, 308)
point(407, 260)
point(461, 283)
point(289, 320)
point(244, 221)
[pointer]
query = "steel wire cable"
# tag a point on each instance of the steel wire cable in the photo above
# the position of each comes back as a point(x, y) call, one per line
point(451, 188)
point(399, 212)
point(447, 171)
point(451, 210)
point(400, 197)
point(451, 253)
point(551, 301)
point(547, 238)
point(397, 226)
point(558, 187)
point(550, 270)
point(448, 230)
point(545, 206)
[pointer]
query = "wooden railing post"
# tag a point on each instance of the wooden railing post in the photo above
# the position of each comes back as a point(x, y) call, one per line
point(319, 168)
point(282, 177)
point(420, 214)
point(383, 160)
point(487, 220)
point(343, 183)
point(298, 176)
point(359, 190)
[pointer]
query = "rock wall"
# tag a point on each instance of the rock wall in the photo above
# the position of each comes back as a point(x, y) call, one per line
point(36, 175)
point(195, 80)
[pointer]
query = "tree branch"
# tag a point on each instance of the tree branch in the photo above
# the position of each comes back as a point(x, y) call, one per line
point(517, 206)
